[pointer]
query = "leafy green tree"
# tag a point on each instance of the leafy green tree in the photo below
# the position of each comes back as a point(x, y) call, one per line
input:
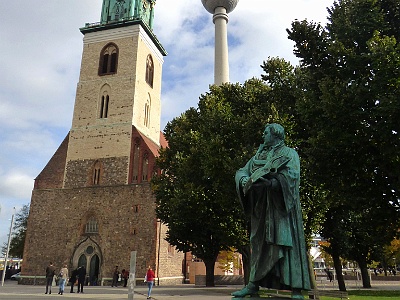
point(350, 76)
point(196, 194)
point(285, 82)
point(229, 261)
point(18, 234)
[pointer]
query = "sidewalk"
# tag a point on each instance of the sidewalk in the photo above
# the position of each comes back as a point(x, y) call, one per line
point(12, 291)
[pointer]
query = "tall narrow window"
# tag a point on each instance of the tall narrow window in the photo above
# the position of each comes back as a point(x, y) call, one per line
point(145, 167)
point(108, 60)
point(105, 109)
point(104, 101)
point(136, 158)
point(96, 173)
point(104, 106)
point(113, 63)
point(147, 109)
point(149, 70)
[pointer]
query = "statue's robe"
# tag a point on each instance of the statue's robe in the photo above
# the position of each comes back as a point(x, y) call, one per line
point(278, 253)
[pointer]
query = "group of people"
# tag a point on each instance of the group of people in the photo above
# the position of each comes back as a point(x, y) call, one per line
point(124, 275)
point(117, 276)
point(78, 275)
point(268, 190)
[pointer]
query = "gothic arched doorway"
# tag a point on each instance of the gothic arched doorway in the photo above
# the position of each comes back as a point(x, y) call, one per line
point(88, 254)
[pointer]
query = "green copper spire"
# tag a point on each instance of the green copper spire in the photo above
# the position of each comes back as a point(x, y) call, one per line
point(124, 10)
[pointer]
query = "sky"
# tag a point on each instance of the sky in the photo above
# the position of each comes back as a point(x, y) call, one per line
point(40, 57)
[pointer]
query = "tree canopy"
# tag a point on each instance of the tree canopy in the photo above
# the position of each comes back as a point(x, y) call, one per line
point(18, 233)
point(195, 192)
point(350, 109)
point(341, 111)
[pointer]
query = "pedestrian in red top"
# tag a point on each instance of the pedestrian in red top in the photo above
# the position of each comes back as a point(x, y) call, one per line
point(150, 281)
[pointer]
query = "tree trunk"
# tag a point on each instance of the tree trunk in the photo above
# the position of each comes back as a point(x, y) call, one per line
point(313, 280)
point(384, 265)
point(364, 273)
point(339, 274)
point(210, 264)
point(245, 251)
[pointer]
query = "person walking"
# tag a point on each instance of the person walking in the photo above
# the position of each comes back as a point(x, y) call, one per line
point(150, 281)
point(62, 278)
point(81, 278)
point(115, 277)
point(125, 276)
point(50, 272)
point(72, 279)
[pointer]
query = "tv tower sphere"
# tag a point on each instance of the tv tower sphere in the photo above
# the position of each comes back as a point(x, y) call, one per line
point(211, 5)
point(220, 10)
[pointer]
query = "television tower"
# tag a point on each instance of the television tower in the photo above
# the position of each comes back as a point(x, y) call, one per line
point(220, 10)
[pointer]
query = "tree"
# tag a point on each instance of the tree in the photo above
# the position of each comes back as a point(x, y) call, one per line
point(229, 261)
point(195, 192)
point(350, 76)
point(285, 82)
point(391, 255)
point(18, 234)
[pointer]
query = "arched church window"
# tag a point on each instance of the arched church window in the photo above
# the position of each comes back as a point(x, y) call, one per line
point(104, 106)
point(147, 110)
point(92, 226)
point(104, 101)
point(149, 70)
point(145, 167)
point(82, 261)
point(96, 174)
point(136, 159)
point(108, 60)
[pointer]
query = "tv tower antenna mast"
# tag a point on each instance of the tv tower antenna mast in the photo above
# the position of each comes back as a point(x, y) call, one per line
point(220, 10)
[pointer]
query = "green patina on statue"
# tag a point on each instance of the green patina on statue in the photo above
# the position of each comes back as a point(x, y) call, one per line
point(268, 188)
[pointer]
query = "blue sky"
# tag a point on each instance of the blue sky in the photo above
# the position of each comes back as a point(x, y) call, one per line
point(40, 56)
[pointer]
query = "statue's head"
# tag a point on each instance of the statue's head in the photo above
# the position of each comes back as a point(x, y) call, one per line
point(277, 131)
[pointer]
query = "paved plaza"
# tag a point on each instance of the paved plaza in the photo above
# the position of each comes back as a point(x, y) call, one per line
point(12, 291)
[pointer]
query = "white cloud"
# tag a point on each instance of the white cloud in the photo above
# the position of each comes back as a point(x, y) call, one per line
point(16, 185)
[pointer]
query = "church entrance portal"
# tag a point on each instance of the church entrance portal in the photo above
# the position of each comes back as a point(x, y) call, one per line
point(88, 254)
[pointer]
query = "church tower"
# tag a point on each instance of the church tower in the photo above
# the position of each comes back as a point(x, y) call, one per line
point(119, 88)
point(94, 196)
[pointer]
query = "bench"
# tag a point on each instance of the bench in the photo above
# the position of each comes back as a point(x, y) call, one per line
point(334, 294)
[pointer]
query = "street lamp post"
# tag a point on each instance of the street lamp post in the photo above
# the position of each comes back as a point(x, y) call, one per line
point(8, 249)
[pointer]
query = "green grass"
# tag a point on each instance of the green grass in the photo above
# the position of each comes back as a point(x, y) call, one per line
point(353, 295)
point(369, 295)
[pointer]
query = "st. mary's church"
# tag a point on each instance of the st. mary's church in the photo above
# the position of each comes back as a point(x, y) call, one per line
point(92, 203)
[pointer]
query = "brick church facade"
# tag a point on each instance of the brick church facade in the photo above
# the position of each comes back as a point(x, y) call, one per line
point(92, 204)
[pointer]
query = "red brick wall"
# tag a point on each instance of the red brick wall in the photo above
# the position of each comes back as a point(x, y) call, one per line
point(57, 225)
point(52, 175)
